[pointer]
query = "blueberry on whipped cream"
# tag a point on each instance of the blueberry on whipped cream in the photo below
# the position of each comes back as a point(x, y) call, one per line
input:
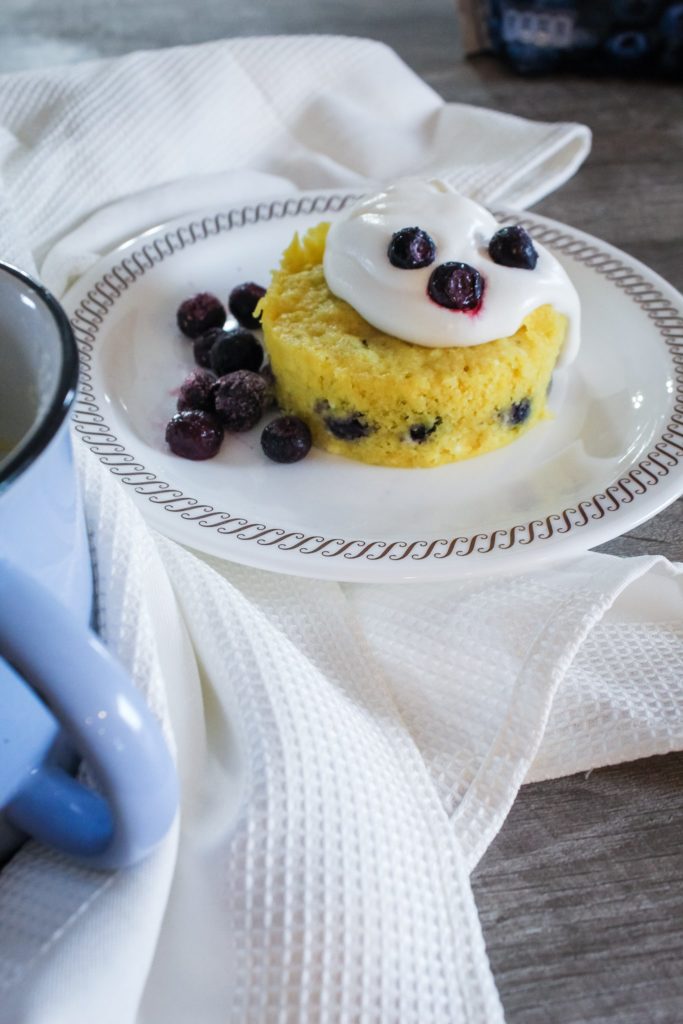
point(512, 247)
point(411, 248)
point(456, 286)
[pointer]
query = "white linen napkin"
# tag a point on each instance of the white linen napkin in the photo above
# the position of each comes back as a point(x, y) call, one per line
point(346, 753)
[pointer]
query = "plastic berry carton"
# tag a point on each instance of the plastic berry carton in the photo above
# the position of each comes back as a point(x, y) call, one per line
point(597, 36)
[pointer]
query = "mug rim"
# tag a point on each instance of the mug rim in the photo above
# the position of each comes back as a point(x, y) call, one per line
point(28, 449)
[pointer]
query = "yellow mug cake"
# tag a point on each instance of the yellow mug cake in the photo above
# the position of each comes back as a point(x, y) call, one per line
point(415, 330)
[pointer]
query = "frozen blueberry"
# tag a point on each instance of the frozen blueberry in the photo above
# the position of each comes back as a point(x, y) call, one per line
point(239, 399)
point(513, 247)
point(196, 391)
point(199, 313)
point(194, 434)
point(203, 344)
point(518, 412)
point(456, 286)
point(242, 302)
point(411, 248)
point(419, 432)
point(235, 350)
point(286, 439)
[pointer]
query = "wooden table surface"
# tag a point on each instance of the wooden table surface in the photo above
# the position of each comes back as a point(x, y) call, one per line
point(581, 894)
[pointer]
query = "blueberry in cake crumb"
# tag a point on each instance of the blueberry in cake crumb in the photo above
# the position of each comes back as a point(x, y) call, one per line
point(242, 302)
point(203, 344)
point(411, 249)
point(456, 286)
point(239, 399)
point(199, 313)
point(513, 247)
point(518, 412)
point(419, 432)
point(286, 439)
point(194, 434)
point(347, 428)
point(235, 350)
point(196, 391)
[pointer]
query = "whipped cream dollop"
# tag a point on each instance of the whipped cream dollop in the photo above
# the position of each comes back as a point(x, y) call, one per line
point(394, 300)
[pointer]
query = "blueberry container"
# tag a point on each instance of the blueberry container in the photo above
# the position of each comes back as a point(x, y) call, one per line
point(634, 37)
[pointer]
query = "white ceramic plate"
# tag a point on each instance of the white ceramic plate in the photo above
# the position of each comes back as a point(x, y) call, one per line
point(611, 457)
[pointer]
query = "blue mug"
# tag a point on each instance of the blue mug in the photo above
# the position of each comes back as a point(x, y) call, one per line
point(63, 697)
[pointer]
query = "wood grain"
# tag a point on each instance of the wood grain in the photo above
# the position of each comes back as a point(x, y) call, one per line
point(580, 895)
point(581, 901)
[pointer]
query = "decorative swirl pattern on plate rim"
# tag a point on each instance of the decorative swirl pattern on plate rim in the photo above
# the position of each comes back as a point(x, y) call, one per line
point(88, 421)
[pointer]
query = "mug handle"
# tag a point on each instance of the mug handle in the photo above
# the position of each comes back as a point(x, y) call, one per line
point(107, 721)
